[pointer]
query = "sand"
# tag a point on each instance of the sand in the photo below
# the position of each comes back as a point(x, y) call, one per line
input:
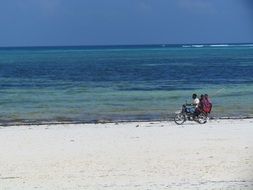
point(137, 155)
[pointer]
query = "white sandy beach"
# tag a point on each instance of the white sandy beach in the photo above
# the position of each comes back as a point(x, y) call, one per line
point(138, 155)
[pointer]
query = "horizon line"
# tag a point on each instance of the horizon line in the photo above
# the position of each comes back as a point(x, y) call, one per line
point(114, 45)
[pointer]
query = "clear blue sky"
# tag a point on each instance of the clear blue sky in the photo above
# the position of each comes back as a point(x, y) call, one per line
point(93, 22)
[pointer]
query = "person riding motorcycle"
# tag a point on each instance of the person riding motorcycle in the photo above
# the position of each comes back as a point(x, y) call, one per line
point(195, 100)
point(194, 104)
point(200, 106)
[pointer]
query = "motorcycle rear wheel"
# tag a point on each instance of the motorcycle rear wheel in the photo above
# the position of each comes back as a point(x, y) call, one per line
point(202, 118)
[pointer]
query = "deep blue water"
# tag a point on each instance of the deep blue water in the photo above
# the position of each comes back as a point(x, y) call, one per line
point(56, 84)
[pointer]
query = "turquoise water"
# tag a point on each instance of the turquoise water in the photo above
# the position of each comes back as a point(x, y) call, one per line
point(85, 84)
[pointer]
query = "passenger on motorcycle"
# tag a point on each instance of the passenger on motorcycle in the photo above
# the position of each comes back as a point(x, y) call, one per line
point(205, 105)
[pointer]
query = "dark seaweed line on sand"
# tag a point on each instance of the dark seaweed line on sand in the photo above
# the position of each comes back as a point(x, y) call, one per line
point(169, 119)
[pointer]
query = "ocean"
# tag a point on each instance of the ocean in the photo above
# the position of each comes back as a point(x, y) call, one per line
point(122, 83)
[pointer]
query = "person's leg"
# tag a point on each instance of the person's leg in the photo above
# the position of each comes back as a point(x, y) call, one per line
point(196, 113)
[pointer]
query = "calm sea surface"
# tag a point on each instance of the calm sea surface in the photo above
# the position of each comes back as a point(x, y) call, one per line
point(85, 84)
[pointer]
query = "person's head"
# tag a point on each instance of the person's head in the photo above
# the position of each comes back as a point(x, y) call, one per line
point(194, 96)
point(206, 96)
point(201, 97)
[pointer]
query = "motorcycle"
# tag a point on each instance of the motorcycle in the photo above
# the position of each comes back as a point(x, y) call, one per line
point(188, 113)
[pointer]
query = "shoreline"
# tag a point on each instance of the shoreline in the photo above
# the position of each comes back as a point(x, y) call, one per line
point(170, 119)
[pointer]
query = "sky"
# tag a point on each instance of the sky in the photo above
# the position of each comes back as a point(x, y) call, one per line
point(118, 22)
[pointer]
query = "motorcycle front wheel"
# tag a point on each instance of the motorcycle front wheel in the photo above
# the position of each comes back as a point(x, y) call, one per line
point(179, 118)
